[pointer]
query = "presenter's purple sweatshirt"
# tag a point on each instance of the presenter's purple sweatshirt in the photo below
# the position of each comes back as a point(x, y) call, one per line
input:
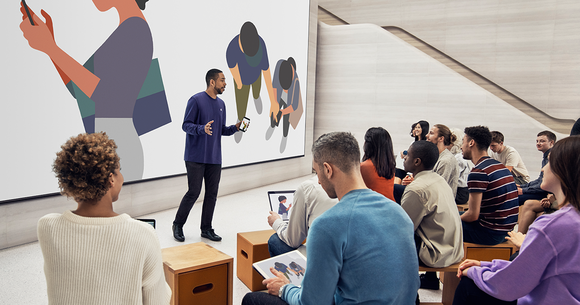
point(547, 270)
point(199, 146)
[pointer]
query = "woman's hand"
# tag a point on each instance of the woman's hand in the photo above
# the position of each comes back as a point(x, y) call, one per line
point(40, 36)
point(465, 265)
point(516, 238)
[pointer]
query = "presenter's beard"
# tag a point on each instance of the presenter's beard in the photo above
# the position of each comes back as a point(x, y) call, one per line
point(221, 90)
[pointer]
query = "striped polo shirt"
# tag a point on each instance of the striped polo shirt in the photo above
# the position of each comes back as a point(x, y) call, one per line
point(499, 203)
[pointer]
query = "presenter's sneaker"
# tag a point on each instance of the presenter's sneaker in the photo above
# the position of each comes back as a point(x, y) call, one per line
point(178, 233)
point(210, 234)
point(429, 280)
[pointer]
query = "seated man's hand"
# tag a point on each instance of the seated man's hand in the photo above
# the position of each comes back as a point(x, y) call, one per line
point(273, 216)
point(520, 192)
point(274, 284)
point(407, 180)
point(545, 203)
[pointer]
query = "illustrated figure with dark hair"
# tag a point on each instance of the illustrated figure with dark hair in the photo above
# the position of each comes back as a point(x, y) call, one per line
point(430, 203)
point(298, 270)
point(287, 88)
point(282, 268)
point(282, 208)
point(109, 84)
point(247, 59)
point(204, 125)
point(93, 255)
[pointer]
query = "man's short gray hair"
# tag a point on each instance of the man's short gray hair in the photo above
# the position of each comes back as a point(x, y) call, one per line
point(337, 148)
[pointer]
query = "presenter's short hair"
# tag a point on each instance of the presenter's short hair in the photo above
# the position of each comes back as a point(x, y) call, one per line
point(212, 74)
point(83, 166)
point(339, 149)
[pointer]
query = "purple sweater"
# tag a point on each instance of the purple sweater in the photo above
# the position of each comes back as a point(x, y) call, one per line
point(199, 146)
point(547, 270)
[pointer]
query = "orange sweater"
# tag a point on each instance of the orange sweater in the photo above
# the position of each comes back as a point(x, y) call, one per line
point(378, 184)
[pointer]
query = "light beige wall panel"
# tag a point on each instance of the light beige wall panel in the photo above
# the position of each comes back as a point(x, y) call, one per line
point(396, 97)
point(518, 45)
point(425, 24)
point(18, 219)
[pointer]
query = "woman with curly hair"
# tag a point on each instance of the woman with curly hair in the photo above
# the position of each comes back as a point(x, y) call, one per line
point(378, 166)
point(93, 255)
point(547, 269)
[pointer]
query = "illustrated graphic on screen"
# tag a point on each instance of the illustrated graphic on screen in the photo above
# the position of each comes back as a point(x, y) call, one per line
point(297, 269)
point(282, 268)
point(247, 59)
point(287, 87)
point(119, 89)
point(283, 208)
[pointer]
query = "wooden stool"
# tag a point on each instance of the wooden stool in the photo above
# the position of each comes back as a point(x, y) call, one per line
point(487, 252)
point(252, 247)
point(198, 274)
point(450, 282)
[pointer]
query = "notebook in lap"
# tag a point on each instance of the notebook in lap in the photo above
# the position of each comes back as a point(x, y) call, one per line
point(281, 202)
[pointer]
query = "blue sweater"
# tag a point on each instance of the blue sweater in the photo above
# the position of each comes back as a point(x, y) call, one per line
point(199, 146)
point(361, 251)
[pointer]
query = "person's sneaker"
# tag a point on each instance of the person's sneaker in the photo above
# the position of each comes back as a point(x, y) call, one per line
point(210, 234)
point(429, 280)
point(178, 233)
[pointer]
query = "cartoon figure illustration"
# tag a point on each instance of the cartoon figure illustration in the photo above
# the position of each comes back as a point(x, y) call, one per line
point(119, 89)
point(247, 59)
point(282, 268)
point(297, 269)
point(287, 87)
point(282, 209)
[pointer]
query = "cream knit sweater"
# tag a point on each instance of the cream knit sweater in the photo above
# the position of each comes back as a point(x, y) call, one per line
point(101, 260)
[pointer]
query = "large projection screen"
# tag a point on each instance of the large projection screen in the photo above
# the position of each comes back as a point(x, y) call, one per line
point(38, 112)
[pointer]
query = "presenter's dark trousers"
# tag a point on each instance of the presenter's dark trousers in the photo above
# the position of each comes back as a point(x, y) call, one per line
point(196, 173)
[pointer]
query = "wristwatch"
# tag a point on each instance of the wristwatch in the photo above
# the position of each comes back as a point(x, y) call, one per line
point(281, 291)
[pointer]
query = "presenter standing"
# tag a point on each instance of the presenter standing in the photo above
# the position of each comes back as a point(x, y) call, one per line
point(204, 124)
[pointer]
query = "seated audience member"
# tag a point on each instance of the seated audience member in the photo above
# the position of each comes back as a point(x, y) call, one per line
point(544, 143)
point(378, 166)
point(93, 255)
point(361, 251)
point(529, 211)
point(493, 200)
point(576, 128)
point(430, 204)
point(509, 157)
point(419, 131)
point(446, 165)
point(546, 271)
point(310, 201)
point(465, 166)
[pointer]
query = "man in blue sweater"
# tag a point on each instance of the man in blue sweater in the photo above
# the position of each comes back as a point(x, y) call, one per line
point(204, 124)
point(361, 251)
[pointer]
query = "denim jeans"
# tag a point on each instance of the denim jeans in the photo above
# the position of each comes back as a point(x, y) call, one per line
point(276, 246)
